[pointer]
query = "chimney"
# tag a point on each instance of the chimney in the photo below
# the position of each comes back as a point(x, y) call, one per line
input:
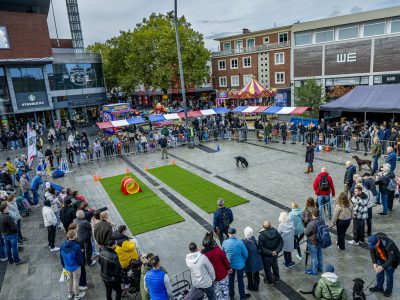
point(245, 30)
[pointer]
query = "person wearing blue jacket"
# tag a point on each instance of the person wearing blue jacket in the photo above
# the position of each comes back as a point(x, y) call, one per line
point(391, 159)
point(72, 260)
point(237, 254)
point(35, 184)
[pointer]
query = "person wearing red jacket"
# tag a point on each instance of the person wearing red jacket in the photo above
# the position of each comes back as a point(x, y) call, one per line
point(323, 188)
point(221, 265)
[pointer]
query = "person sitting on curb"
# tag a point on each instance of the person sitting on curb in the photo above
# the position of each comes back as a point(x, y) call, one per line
point(329, 286)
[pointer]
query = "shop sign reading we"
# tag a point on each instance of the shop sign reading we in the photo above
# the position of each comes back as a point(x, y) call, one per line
point(346, 57)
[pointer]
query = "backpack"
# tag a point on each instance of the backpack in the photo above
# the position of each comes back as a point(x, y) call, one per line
point(324, 183)
point(392, 184)
point(226, 222)
point(323, 236)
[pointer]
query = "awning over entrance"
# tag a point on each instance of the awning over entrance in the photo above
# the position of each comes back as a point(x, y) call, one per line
point(383, 98)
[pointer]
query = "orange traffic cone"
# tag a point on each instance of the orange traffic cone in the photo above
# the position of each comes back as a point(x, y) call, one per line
point(146, 168)
point(95, 178)
point(127, 170)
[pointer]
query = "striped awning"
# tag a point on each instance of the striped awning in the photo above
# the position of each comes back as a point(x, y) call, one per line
point(300, 110)
point(173, 116)
point(261, 109)
point(250, 109)
point(120, 123)
point(286, 110)
point(221, 110)
point(207, 112)
point(273, 110)
point(239, 109)
point(157, 118)
point(136, 120)
point(195, 113)
point(104, 125)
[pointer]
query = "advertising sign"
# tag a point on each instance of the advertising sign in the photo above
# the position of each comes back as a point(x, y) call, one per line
point(34, 100)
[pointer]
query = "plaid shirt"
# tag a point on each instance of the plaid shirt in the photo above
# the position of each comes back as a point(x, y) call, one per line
point(360, 206)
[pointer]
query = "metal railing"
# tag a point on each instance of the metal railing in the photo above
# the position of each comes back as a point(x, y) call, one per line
point(260, 48)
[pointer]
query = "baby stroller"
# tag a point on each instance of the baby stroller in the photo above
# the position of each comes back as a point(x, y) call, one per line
point(132, 277)
point(24, 207)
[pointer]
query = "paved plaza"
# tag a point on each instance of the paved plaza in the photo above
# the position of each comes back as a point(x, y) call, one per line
point(273, 180)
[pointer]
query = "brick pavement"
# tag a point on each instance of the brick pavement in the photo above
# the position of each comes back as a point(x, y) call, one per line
point(275, 173)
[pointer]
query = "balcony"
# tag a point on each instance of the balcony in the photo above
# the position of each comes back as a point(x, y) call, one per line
point(260, 48)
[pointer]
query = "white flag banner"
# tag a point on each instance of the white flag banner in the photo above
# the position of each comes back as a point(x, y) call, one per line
point(31, 137)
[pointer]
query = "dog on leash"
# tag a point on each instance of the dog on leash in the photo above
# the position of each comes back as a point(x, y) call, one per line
point(242, 161)
point(361, 162)
point(358, 289)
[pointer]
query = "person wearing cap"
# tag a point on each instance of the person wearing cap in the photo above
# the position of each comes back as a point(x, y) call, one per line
point(50, 222)
point(385, 256)
point(163, 144)
point(222, 219)
point(329, 286)
point(67, 213)
point(110, 270)
point(35, 184)
point(201, 271)
point(103, 230)
point(157, 282)
point(237, 254)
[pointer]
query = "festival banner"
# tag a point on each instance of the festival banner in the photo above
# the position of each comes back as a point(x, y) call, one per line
point(31, 137)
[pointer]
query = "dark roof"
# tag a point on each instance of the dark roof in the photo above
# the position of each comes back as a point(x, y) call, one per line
point(384, 98)
point(26, 6)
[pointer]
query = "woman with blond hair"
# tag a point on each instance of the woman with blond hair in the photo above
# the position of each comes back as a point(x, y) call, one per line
point(342, 216)
point(286, 230)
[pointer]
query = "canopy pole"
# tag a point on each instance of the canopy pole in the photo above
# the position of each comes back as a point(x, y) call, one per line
point(365, 117)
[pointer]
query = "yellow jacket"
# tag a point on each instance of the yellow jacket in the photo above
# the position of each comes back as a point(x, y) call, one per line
point(126, 253)
point(11, 168)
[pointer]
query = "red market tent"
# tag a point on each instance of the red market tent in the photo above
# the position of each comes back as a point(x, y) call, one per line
point(105, 125)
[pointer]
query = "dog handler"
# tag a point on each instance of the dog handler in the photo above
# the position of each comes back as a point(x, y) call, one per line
point(385, 256)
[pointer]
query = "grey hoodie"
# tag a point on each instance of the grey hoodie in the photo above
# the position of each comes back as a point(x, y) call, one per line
point(201, 270)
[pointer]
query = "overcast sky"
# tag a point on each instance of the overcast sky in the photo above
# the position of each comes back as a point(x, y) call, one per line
point(103, 19)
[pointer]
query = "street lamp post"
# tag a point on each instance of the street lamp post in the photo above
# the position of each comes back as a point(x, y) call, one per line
point(178, 46)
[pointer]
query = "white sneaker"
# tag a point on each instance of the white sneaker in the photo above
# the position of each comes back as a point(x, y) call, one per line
point(300, 258)
point(353, 242)
point(70, 295)
point(83, 288)
point(55, 249)
point(4, 259)
point(93, 263)
point(80, 295)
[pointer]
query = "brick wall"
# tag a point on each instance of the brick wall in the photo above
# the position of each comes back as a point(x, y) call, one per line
point(273, 68)
point(28, 35)
point(231, 72)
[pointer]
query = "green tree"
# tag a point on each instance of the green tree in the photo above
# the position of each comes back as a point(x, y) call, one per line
point(309, 94)
point(147, 55)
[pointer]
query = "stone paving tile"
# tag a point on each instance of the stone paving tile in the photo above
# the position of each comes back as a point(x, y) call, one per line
point(275, 174)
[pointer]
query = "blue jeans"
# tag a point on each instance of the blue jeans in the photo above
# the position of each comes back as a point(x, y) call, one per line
point(317, 263)
point(322, 200)
point(378, 198)
point(301, 137)
point(11, 242)
point(266, 138)
point(293, 137)
point(210, 292)
point(240, 283)
point(13, 178)
point(374, 165)
point(380, 277)
point(2, 248)
point(347, 145)
point(27, 197)
point(35, 195)
point(384, 198)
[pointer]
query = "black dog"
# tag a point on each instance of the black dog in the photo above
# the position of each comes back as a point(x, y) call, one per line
point(242, 160)
point(358, 289)
point(361, 162)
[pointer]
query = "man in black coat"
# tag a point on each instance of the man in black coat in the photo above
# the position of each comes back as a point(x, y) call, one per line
point(67, 213)
point(385, 256)
point(111, 270)
point(270, 243)
point(348, 176)
point(103, 230)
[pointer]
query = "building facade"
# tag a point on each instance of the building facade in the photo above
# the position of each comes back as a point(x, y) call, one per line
point(345, 51)
point(43, 79)
point(264, 55)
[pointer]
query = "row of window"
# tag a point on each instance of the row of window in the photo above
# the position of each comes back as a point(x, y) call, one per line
point(279, 60)
point(223, 80)
point(250, 43)
point(346, 32)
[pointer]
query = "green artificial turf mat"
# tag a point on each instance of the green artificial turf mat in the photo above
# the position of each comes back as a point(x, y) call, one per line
point(142, 212)
point(196, 189)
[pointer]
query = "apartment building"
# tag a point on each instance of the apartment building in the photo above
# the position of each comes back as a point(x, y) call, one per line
point(263, 54)
point(350, 50)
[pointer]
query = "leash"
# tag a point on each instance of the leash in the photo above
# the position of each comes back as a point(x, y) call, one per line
point(373, 280)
